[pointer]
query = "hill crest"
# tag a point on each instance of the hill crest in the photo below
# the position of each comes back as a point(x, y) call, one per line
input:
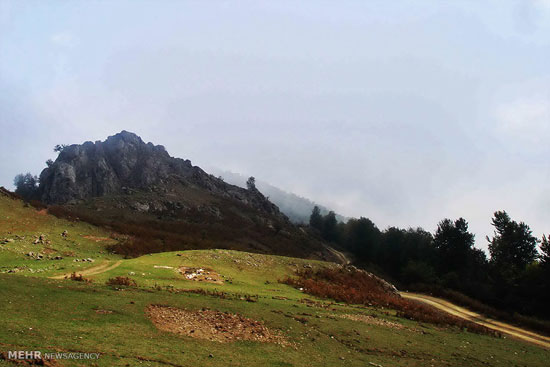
point(124, 162)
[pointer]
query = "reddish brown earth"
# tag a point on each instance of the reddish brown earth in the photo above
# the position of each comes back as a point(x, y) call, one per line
point(212, 325)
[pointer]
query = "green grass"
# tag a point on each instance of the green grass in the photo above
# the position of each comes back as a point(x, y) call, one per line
point(24, 224)
point(38, 313)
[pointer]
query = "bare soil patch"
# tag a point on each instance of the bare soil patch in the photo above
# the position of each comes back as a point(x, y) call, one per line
point(212, 325)
point(201, 275)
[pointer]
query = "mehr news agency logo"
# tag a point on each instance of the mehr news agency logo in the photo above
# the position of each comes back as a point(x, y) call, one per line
point(38, 355)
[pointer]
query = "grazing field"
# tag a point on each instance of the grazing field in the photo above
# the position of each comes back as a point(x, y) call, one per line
point(203, 308)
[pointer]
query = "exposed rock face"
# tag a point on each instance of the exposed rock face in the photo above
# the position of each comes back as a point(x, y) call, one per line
point(123, 163)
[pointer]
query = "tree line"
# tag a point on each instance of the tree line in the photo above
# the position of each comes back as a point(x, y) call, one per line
point(515, 277)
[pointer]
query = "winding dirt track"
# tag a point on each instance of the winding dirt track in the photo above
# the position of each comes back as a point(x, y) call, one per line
point(463, 313)
point(342, 258)
point(106, 266)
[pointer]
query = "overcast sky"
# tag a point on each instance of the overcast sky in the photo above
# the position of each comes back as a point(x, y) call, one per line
point(402, 111)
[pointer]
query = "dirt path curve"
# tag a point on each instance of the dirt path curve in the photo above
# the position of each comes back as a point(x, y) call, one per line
point(98, 269)
point(461, 312)
point(342, 258)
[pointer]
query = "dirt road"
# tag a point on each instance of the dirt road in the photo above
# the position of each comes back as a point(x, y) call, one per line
point(342, 258)
point(98, 269)
point(461, 312)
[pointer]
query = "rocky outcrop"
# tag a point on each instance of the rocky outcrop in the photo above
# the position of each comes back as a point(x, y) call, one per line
point(386, 286)
point(124, 163)
point(7, 193)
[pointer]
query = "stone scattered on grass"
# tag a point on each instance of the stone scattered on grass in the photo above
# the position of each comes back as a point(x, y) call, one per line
point(201, 275)
point(212, 325)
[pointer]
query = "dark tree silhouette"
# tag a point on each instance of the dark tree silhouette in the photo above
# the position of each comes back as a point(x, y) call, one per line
point(454, 245)
point(513, 246)
point(316, 219)
point(59, 148)
point(362, 237)
point(447, 261)
point(545, 252)
point(330, 227)
point(251, 183)
point(26, 185)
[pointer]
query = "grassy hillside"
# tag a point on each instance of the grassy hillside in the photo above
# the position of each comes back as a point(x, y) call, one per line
point(41, 313)
point(21, 226)
point(198, 221)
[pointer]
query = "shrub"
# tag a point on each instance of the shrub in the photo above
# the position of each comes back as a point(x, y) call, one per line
point(38, 205)
point(78, 278)
point(358, 287)
point(418, 272)
point(122, 281)
point(238, 228)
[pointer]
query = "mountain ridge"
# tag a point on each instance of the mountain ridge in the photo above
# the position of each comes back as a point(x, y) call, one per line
point(124, 162)
point(297, 208)
point(166, 203)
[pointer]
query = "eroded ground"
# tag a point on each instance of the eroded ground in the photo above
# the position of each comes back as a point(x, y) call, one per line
point(212, 325)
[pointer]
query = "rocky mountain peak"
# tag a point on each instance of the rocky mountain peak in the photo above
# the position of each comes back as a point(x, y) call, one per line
point(125, 162)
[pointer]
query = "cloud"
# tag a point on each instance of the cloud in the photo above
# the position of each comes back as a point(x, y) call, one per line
point(6, 13)
point(545, 4)
point(525, 118)
point(64, 39)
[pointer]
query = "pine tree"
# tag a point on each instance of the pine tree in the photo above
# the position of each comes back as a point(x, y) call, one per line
point(316, 219)
point(545, 252)
point(454, 244)
point(513, 246)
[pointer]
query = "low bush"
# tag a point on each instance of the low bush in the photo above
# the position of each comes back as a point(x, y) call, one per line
point(217, 294)
point(122, 281)
point(38, 205)
point(76, 277)
point(235, 229)
point(358, 287)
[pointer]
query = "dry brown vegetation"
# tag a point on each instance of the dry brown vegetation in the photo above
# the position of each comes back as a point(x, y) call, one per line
point(212, 293)
point(357, 287)
point(238, 228)
point(78, 278)
point(122, 281)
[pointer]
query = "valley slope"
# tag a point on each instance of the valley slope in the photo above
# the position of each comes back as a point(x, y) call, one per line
point(40, 312)
point(166, 203)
